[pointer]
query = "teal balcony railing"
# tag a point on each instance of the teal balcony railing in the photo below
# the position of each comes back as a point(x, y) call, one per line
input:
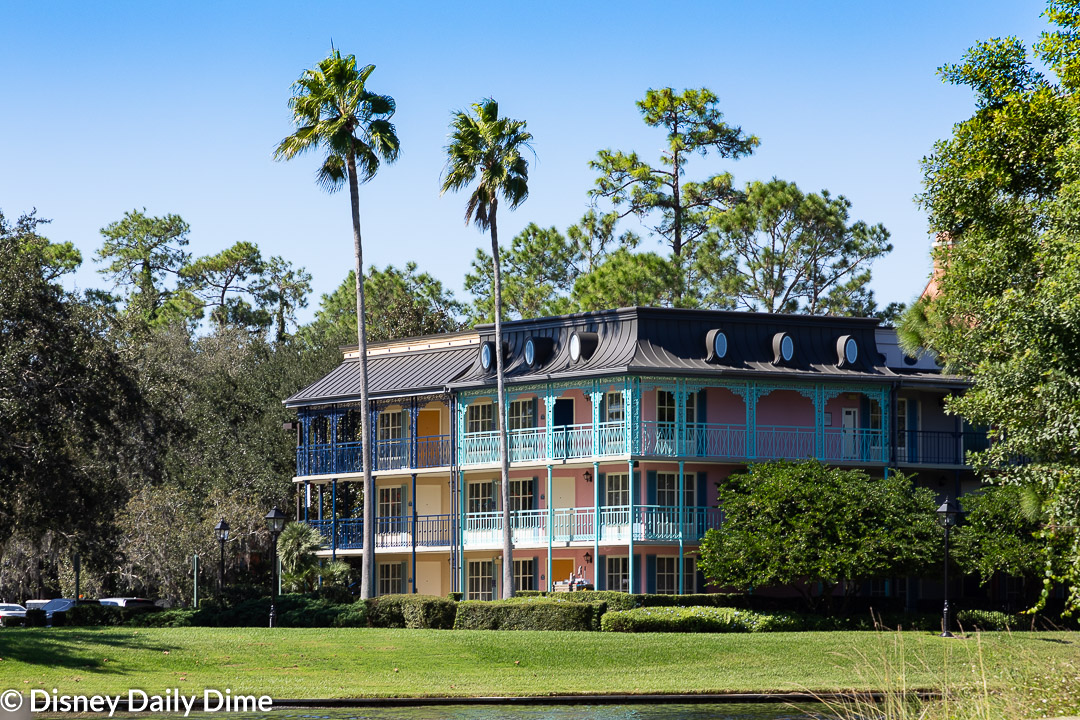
point(770, 442)
point(533, 444)
point(651, 522)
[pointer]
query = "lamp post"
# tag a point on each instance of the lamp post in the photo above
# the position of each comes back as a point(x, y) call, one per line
point(947, 515)
point(222, 531)
point(275, 522)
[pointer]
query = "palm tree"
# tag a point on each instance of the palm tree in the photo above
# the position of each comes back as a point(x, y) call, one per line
point(486, 145)
point(335, 112)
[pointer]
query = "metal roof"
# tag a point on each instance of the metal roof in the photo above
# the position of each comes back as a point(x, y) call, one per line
point(642, 341)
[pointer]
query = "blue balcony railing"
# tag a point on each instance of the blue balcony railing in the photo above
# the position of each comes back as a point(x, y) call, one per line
point(397, 454)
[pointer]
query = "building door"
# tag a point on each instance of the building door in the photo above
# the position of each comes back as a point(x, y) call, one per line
point(561, 569)
point(429, 577)
point(563, 414)
point(850, 425)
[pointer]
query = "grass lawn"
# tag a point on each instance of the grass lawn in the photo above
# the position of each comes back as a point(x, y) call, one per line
point(302, 663)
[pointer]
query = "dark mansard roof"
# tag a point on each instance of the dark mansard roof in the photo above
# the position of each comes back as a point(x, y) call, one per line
point(639, 341)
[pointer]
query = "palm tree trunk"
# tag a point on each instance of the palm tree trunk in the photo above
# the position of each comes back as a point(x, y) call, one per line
point(504, 438)
point(367, 574)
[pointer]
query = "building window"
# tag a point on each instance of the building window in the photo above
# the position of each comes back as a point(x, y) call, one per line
point(667, 489)
point(389, 425)
point(479, 418)
point(481, 497)
point(618, 490)
point(481, 580)
point(523, 575)
point(666, 408)
point(521, 495)
point(901, 429)
point(349, 428)
point(618, 574)
point(319, 431)
point(390, 502)
point(389, 578)
point(666, 577)
point(522, 415)
point(613, 407)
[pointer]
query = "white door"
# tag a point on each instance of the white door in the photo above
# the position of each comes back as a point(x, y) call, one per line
point(428, 499)
point(562, 491)
point(851, 432)
point(429, 577)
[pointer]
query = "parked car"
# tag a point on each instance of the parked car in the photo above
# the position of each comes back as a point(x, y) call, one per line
point(128, 602)
point(36, 604)
point(57, 605)
point(10, 612)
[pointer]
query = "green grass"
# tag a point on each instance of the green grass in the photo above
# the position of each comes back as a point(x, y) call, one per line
point(301, 663)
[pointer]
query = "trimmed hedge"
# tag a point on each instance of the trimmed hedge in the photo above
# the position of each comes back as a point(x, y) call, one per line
point(992, 620)
point(693, 619)
point(86, 614)
point(527, 614)
point(353, 615)
point(617, 600)
point(35, 617)
point(412, 611)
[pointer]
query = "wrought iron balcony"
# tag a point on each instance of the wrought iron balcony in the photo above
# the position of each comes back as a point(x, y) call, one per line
point(399, 454)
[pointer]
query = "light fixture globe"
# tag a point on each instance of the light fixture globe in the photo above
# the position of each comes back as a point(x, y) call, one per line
point(949, 513)
point(222, 530)
point(275, 520)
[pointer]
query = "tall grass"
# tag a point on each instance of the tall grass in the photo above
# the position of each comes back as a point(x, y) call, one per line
point(1037, 687)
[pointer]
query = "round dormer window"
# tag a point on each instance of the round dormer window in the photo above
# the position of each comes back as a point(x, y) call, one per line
point(575, 347)
point(530, 352)
point(716, 345)
point(851, 351)
point(787, 348)
point(487, 354)
point(582, 345)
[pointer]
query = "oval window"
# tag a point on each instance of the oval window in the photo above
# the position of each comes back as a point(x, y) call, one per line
point(530, 351)
point(485, 356)
point(851, 351)
point(787, 348)
point(720, 344)
point(575, 347)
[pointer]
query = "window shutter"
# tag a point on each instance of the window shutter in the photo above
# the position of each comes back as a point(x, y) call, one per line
point(701, 496)
point(535, 414)
point(536, 573)
point(635, 480)
point(650, 573)
point(536, 493)
point(701, 411)
point(602, 487)
point(601, 572)
point(650, 481)
point(603, 406)
point(404, 577)
point(406, 502)
point(637, 574)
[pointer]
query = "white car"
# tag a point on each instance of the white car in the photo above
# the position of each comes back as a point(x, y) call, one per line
point(11, 610)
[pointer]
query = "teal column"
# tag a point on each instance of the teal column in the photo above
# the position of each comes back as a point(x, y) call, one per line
point(595, 396)
point(886, 434)
point(461, 535)
point(550, 529)
point(680, 419)
point(596, 524)
point(682, 524)
point(751, 421)
point(333, 519)
point(549, 424)
point(630, 560)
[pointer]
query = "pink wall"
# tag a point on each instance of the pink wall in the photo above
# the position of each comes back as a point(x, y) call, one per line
point(724, 407)
point(785, 407)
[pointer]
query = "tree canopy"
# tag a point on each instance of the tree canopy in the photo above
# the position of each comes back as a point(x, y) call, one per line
point(804, 523)
point(1002, 194)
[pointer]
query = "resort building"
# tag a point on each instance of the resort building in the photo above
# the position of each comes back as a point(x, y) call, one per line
point(621, 423)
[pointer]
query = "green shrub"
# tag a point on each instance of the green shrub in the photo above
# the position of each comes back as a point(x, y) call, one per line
point(456, 596)
point(354, 615)
point(527, 614)
point(991, 620)
point(14, 622)
point(693, 619)
point(180, 617)
point(291, 611)
point(93, 614)
point(612, 600)
point(412, 611)
point(530, 593)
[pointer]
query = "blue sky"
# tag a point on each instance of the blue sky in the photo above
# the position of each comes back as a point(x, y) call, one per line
point(177, 107)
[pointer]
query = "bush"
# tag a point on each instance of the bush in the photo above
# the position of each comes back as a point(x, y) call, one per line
point(992, 620)
point(527, 614)
point(13, 622)
point(412, 611)
point(93, 614)
point(180, 617)
point(35, 617)
point(291, 611)
point(354, 615)
point(693, 619)
point(456, 596)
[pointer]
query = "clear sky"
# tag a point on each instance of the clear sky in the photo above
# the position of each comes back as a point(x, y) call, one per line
point(177, 107)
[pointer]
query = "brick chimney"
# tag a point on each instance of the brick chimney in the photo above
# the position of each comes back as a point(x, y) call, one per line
point(939, 251)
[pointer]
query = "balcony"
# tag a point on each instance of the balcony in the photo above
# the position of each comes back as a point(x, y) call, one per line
point(929, 447)
point(390, 532)
point(346, 457)
point(715, 441)
point(651, 523)
point(566, 442)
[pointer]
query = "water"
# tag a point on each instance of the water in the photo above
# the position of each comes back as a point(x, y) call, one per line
point(672, 711)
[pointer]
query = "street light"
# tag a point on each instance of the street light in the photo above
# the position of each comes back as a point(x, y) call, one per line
point(275, 521)
point(222, 530)
point(947, 516)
